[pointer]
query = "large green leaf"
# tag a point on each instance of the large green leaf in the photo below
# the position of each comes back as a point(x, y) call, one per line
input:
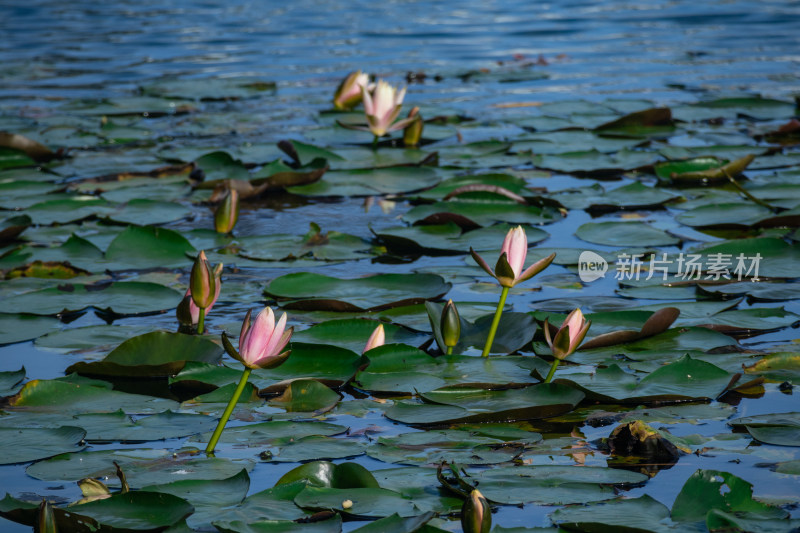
point(624, 234)
point(119, 297)
point(23, 445)
point(478, 405)
point(367, 502)
point(316, 291)
point(156, 354)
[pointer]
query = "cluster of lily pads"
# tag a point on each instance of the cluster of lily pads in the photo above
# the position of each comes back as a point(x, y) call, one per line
point(432, 410)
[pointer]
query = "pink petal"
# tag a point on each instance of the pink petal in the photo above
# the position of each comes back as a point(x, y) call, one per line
point(515, 245)
point(257, 336)
point(366, 97)
point(271, 347)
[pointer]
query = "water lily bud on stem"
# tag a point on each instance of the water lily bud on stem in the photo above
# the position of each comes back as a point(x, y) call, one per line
point(450, 326)
point(203, 287)
point(567, 339)
point(227, 213)
point(476, 514)
point(261, 345)
point(413, 132)
point(45, 518)
point(509, 272)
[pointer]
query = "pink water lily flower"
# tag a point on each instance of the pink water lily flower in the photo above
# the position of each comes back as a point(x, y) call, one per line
point(378, 338)
point(569, 336)
point(261, 343)
point(382, 104)
point(348, 94)
point(509, 268)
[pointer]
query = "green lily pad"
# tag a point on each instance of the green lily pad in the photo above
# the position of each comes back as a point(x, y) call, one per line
point(711, 489)
point(454, 446)
point(148, 247)
point(456, 184)
point(120, 298)
point(146, 211)
point(369, 182)
point(23, 445)
point(207, 496)
point(352, 333)
point(17, 328)
point(156, 354)
point(478, 405)
point(305, 396)
point(89, 338)
point(330, 246)
point(595, 163)
point(70, 209)
point(782, 429)
point(313, 447)
point(209, 88)
point(367, 502)
point(316, 291)
point(327, 364)
point(113, 427)
point(553, 485)
point(12, 227)
point(266, 433)
point(131, 511)
point(630, 515)
point(448, 238)
point(9, 381)
point(478, 214)
point(142, 467)
point(275, 504)
point(614, 233)
point(63, 397)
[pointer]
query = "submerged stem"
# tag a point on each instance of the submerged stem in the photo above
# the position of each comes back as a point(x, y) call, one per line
point(552, 370)
point(228, 410)
point(495, 322)
point(201, 326)
point(449, 350)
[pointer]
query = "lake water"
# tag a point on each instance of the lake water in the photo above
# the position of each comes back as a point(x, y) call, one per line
point(484, 59)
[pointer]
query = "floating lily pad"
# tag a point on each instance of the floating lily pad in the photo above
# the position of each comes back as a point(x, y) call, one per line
point(614, 233)
point(64, 397)
point(141, 466)
point(553, 485)
point(393, 180)
point(330, 246)
point(265, 433)
point(711, 489)
point(630, 515)
point(352, 333)
point(139, 511)
point(156, 354)
point(449, 238)
point(316, 291)
point(113, 427)
point(782, 429)
point(477, 214)
point(16, 328)
point(313, 447)
point(140, 247)
point(368, 502)
point(23, 445)
point(121, 298)
point(477, 405)
point(305, 396)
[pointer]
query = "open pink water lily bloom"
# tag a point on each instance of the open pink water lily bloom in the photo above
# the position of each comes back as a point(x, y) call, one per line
point(261, 343)
point(509, 268)
point(378, 338)
point(569, 336)
point(348, 94)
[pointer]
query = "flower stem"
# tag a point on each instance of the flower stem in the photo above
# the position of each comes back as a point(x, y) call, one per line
point(228, 410)
point(495, 322)
point(201, 326)
point(449, 350)
point(375, 143)
point(552, 370)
